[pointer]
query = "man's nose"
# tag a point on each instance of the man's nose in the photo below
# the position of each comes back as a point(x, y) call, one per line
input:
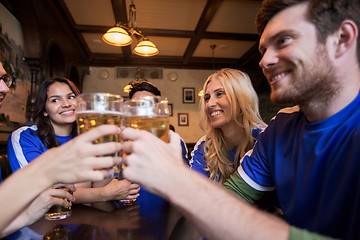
point(3, 87)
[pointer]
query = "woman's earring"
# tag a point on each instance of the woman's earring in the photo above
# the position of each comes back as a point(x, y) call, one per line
point(45, 114)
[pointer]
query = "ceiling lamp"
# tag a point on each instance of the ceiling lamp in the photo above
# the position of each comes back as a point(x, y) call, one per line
point(117, 36)
point(146, 48)
point(120, 36)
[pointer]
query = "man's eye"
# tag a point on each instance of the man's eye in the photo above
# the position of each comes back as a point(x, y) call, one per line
point(72, 97)
point(284, 40)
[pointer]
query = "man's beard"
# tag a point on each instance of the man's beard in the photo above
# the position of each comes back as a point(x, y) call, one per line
point(314, 82)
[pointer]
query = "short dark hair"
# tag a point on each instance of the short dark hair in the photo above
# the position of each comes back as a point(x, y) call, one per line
point(326, 15)
point(141, 85)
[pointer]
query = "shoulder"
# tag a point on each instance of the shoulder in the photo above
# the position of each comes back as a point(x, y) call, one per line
point(286, 116)
point(198, 151)
point(23, 132)
point(290, 109)
point(200, 143)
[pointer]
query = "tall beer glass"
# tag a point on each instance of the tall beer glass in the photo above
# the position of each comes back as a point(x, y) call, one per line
point(149, 113)
point(94, 109)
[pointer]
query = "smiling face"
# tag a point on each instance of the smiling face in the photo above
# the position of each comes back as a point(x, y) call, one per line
point(60, 107)
point(3, 88)
point(296, 65)
point(217, 105)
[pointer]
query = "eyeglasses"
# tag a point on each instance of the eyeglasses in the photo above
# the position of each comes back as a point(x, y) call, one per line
point(7, 80)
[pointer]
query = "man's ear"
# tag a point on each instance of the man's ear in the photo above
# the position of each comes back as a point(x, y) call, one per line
point(346, 37)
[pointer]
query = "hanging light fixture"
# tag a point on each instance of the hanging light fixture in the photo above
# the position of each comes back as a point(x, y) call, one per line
point(128, 87)
point(146, 48)
point(212, 46)
point(121, 35)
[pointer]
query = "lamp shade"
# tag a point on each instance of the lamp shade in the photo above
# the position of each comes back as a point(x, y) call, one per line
point(146, 48)
point(117, 36)
point(127, 88)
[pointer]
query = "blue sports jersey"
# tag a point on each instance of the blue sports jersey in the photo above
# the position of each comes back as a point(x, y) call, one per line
point(198, 160)
point(314, 168)
point(184, 152)
point(24, 146)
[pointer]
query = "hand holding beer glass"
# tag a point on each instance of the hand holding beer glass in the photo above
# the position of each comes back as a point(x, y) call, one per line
point(58, 212)
point(94, 109)
point(149, 113)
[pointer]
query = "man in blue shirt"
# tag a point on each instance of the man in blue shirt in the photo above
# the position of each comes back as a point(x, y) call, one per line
point(309, 153)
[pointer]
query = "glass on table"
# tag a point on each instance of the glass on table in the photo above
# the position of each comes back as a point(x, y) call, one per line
point(58, 212)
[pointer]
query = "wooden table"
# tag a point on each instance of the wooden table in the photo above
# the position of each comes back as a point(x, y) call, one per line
point(151, 218)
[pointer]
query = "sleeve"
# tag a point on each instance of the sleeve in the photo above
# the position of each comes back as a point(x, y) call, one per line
point(238, 186)
point(184, 152)
point(256, 165)
point(198, 160)
point(22, 149)
point(301, 234)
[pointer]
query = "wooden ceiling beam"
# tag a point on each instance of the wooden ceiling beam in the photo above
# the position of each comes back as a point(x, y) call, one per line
point(207, 15)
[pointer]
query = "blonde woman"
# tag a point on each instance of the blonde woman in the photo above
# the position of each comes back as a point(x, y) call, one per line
point(230, 117)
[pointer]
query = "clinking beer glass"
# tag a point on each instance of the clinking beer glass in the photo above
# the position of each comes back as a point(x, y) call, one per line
point(150, 113)
point(95, 109)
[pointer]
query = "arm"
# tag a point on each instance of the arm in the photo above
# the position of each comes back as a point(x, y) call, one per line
point(199, 199)
point(39, 206)
point(107, 190)
point(238, 186)
point(74, 161)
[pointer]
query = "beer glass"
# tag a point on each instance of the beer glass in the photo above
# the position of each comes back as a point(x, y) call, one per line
point(149, 113)
point(58, 212)
point(94, 109)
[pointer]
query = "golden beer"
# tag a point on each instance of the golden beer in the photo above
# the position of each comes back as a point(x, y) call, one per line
point(58, 212)
point(157, 125)
point(88, 120)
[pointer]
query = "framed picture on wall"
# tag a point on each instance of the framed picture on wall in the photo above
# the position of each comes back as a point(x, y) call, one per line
point(170, 109)
point(188, 95)
point(183, 119)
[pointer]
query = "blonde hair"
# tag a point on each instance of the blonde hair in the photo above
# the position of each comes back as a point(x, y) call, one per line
point(244, 111)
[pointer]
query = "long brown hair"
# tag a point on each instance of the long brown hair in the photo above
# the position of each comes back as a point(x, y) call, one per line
point(245, 112)
point(45, 130)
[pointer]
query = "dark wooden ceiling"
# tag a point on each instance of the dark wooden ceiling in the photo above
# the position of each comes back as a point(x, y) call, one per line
point(183, 30)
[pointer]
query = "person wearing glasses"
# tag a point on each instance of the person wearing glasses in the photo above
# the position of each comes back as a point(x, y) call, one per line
point(27, 195)
point(6, 82)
